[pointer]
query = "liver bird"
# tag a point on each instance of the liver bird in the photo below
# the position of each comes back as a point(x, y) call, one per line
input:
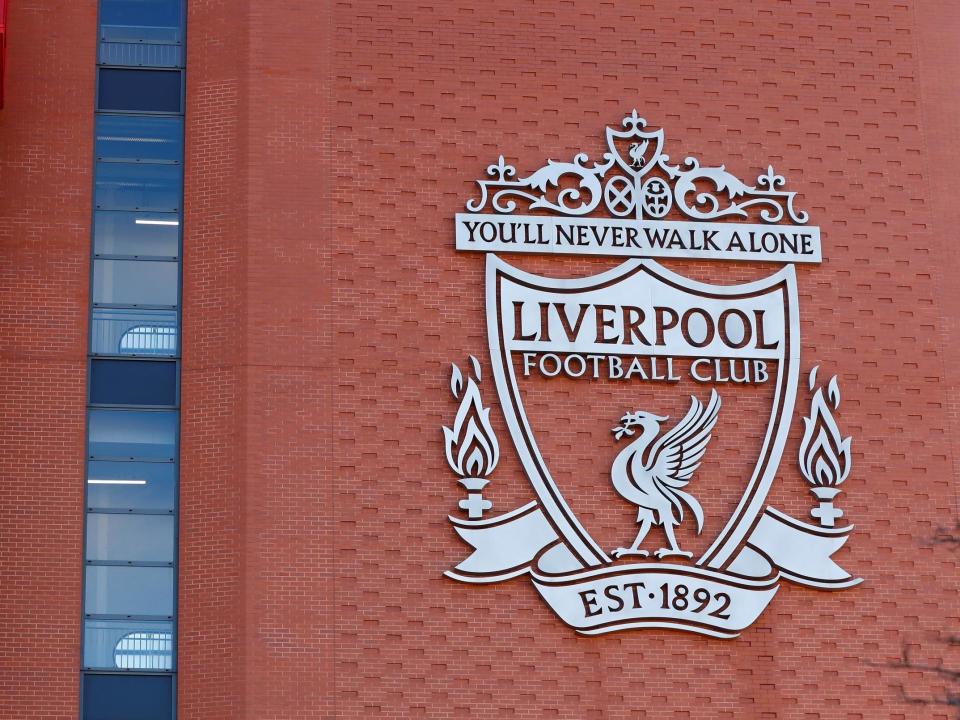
point(652, 477)
point(636, 152)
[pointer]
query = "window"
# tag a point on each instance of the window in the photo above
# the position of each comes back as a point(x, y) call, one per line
point(137, 186)
point(138, 138)
point(125, 90)
point(129, 537)
point(122, 697)
point(141, 33)
point(129, 590)
point(149, 234)
point(129, 628)
point(133, 434)
point(133, 282)
point(128, 644)
point(130, 485)
point(141, 53)
point(127, 331)
point(133, 20)
point(133, 382)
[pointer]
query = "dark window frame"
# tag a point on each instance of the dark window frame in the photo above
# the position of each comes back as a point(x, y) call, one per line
point(141, 68)
point(123, 673)
point(95, 359)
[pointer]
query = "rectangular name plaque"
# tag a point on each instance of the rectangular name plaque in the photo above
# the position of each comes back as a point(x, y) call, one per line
point(560, 235)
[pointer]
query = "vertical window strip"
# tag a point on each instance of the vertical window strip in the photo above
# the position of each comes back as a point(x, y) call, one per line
point(129, 623)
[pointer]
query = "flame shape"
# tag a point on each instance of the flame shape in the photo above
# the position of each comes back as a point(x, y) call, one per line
point(824, 453)
point(471, 445)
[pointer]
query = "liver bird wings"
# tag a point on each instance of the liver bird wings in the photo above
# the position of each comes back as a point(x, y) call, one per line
point(677, 453)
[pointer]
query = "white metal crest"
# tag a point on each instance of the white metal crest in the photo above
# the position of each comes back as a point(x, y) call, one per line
point(639, 322)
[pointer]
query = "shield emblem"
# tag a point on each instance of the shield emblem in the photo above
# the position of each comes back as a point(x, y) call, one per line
point(639, 339)
point(635, 149)
point(649, 411)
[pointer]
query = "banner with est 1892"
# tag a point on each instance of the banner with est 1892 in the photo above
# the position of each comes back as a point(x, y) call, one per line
point(701, 549)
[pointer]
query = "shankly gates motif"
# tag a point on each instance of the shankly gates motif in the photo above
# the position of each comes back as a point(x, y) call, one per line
point(698, 557)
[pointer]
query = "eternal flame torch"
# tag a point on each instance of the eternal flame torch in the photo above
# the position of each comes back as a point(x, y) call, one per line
point(471, 445)
point(824, 453)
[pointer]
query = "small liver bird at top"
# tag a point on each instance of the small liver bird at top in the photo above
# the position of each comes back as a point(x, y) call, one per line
point(652, 477)
point(636, 152)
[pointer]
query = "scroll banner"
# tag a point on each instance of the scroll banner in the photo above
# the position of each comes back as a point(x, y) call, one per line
point(597, 600)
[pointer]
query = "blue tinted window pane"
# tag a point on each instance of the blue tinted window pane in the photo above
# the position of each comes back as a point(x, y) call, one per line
point(135, 282)
point(140, 435)
point(142, 53)
point(130, 485)
point(125, 697)
point(124, 590)
point(130, 538)
point(128, 137)
point(119, 331)
point(142, 36)
point(139, 90)
point(128, 644)
point(140, 13)
point(137, 186)
point(133, 382)
point(117, 232)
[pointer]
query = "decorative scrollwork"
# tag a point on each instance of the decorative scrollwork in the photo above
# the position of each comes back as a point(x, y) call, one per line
point(578, 200)
point(574, 188)
point(775, 204)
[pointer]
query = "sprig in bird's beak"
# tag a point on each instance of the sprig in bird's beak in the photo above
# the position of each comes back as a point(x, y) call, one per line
point(619, 431)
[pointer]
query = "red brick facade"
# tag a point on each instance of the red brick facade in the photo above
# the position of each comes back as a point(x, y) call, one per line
point(46, 145)
point(328, 147)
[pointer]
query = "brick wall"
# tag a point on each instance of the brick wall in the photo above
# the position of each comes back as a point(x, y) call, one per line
point(45, 184)
point(360, 127)
point(212, 653)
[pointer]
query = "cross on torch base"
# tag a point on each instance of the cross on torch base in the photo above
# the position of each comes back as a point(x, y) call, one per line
point(474, 504)
point(826, 513)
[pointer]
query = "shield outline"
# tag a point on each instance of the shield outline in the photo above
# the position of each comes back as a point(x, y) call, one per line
point(568, 528)
point(635, 133)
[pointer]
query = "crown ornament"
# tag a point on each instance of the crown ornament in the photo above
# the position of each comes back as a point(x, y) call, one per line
point(635, 180)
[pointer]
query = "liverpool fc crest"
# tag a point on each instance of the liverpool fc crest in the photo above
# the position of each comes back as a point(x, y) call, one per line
point(671, 522)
